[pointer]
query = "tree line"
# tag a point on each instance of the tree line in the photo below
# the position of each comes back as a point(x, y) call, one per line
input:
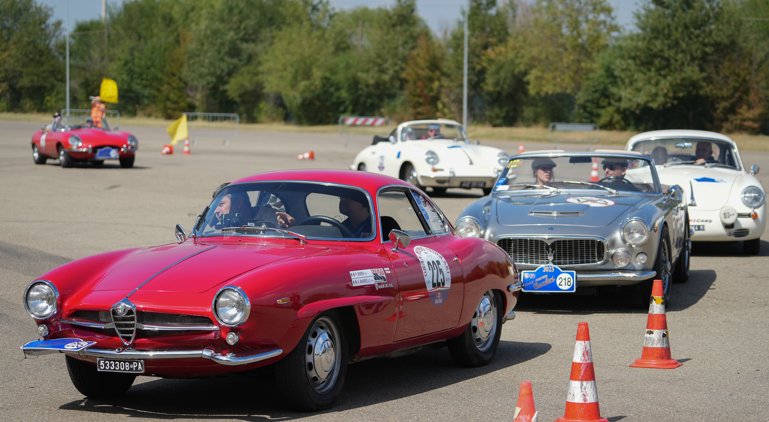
point(701, 64)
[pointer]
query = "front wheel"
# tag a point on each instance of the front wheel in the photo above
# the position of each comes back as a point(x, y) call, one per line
point(682, 266)
point(362, 167)
point(97, 385)
point(662, 267)
point(37, 156)
point(479, 343)
point(409, 174)
point(64, 159)
point(312, 375)
point(751, 247)
point(127, 163)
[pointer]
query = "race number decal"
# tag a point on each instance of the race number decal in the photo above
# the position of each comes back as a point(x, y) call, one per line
point(436, 273)
point(42, 141)
point(591, 201)
point(381, 163)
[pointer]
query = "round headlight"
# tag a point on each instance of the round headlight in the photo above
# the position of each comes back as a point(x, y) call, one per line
point(132, 141)
point(752, 196)
point(502, 158)
point(621, 258)
point(635, 232)
point(40, 299)
point(468, 227)
point(432, 158)
point(231, 306)
point(75, 141)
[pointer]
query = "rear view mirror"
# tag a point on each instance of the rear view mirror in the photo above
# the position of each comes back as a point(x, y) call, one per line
point(684, 145)
point(391, 139)
point(400, 239)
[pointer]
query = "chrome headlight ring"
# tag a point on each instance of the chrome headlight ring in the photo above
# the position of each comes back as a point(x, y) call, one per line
point(752, 196)
point(468, 227)
point(635, 232)
point(431, 157)
point(231, 306)
point(41, 299)
point(75, 141)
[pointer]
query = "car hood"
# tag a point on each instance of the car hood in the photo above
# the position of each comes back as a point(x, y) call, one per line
point(194, 267)
point(98, 136)
point(460, 152)
point(564, 209)
point(711, 186)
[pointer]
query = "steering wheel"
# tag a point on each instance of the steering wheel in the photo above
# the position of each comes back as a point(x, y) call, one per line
point(317, 219)
point(623, 180)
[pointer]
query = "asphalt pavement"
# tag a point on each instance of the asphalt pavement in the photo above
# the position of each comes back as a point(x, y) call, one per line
point(50, 216)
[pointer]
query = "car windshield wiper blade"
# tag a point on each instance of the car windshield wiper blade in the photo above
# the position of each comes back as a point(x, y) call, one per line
point(262, 229)
point(526, 185)
point(579, 182)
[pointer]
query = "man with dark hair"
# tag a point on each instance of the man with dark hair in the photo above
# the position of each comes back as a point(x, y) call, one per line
point(355, 207)
point(614, 168)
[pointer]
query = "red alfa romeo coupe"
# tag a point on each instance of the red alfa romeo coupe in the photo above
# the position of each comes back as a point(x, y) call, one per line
point(301, 270)
point(83, 142)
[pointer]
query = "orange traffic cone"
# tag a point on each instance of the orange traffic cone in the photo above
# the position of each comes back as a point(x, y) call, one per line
point(582, 400)
point(186, 147)
point(167, 149)
point(524, 411)
point(594, 173)
point(520, 149)
point(306, 156)
point(656, 351)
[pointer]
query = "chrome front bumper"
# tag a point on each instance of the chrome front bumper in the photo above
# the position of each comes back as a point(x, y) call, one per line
point(39, 348)
point(618, 278)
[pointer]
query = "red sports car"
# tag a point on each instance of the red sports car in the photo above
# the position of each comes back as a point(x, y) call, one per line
point(303, 270)
point(83, 142)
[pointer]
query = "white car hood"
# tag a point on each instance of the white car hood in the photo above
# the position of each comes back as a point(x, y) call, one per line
point(460, 152)
point(711, 186)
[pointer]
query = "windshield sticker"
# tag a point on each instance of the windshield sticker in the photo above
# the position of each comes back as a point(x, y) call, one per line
point(591, 201)
point(436, 272)
point(513, 164)
point(710, 180)
point(368, 277)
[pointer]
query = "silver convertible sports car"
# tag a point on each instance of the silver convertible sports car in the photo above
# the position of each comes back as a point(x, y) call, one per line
point(574, 222)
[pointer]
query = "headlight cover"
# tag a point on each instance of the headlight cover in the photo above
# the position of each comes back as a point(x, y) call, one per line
point(41, 299)
point(432, 158)
point(468, 227)
point(75, 141)
point(502, 158)
point(132, 141)
point(752, 196)
point(231, 306)
point(635, 232)
point(621, 258)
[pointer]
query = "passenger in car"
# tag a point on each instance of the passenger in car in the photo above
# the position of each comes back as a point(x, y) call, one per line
point(356, 208)
point(660, 155)
point(543, 171)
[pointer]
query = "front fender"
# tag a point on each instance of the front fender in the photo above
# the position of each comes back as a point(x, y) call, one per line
point(314, 309)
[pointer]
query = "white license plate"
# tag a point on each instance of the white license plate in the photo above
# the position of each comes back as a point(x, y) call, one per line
point(698, 228)
point(472, 184)
point(124, 366)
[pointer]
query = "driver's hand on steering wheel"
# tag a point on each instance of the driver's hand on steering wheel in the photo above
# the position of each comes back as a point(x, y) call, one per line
point(284, 220)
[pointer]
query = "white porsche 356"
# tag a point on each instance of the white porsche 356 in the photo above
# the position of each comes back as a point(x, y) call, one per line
point(433, 153)
point(726, 203)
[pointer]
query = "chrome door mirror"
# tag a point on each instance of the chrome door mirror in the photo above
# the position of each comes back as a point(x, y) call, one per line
point(674, 192)
point(181, 236)
point(400, 238)
point(754, 169)
point(392, 139)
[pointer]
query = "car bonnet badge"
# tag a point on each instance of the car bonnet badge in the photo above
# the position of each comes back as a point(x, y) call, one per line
point(550, 256)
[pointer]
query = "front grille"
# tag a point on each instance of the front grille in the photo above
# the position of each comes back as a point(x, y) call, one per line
point(741, 232)
point(564, 251)
point(145, 324)
point(125, 326)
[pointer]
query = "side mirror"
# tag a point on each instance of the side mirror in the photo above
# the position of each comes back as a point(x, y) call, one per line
point(674, 192)
point(754, 169)
point(477, 142)
point(392, 139)
point(400, 238)
point(181, 236)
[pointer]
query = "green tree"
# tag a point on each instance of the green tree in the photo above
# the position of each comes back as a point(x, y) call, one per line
point(423, 76)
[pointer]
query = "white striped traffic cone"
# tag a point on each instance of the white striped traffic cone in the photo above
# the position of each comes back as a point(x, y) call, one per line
point(582, 400)
point(525, 411)
point(306, 156)
point(594, 173)
point(186, 147)
point(520, 149)
point(656, 351)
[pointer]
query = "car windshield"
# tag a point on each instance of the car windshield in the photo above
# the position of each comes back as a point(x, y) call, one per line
point(300, 210)
point(424, 131)
point(677, 151)
point(552, 175)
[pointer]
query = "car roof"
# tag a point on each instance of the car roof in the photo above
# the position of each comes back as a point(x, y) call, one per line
point(680, 133)
point(368, 181)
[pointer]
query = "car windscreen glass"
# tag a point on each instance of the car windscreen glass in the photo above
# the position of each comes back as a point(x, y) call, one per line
point(269, 209)
point(424, 131)
point(553, 175)
point(684, 151)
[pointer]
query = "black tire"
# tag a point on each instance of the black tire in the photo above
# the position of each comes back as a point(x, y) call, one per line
point(362, 167)
point(751, 247)
point(97, 385)
point(662, 267)
point(37, 156)
point(477, 345)
point(299, 380)
point(64, 159)
point(408, 174)
point(127, 163)
point(681, 273)
point(486, 191)
point(98, 163)
point(439, 191)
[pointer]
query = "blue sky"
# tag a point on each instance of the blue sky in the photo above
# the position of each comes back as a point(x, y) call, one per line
point(439, 14)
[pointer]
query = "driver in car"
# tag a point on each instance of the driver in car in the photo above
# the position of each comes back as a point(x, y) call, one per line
point(433, 131)
point(234, 204)
point(543, 171)
point(356, 209)
point(614, 168)
point(704, 153)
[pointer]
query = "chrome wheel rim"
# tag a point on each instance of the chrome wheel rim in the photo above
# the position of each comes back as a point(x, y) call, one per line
point(61, 155)
point(321, 356)
point(412, 177)
point(35, 153)
point(484, 322)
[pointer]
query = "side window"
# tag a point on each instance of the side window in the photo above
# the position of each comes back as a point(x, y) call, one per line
point(396, 212)
point(433, 217)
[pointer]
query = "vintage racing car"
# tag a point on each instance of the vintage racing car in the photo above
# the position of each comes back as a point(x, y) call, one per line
point(570, 230)
point(83, 142)
point(362, 271)
point(726, 203)
point(433, 153)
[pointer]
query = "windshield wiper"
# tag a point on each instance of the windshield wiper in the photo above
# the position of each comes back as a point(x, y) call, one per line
point(577, 182)
point(262, 229)
point(526, 185)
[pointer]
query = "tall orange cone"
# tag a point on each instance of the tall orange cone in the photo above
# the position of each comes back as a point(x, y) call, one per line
point(168, 149)
point(656, 351)
point(186, 147)
point(594, 173)
point(524, 411)
point(520, 149)
point(582, 400)
point(306, 156)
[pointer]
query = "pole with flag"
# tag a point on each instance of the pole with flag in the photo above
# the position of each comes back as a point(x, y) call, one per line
point(178, 130)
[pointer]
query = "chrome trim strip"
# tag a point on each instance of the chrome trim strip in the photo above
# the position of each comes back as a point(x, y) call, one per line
point(232, 359)
point(615, 276)
point(165, 269)
point(509, 317)
point(88, 324)
point(515, 287)
point(150, 327)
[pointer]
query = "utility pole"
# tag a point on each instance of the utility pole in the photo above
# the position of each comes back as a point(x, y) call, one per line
point(464, 83)
point(104, 22)
point(67, 62)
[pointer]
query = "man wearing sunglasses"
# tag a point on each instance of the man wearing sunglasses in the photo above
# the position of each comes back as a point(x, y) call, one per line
point(433, 131)
point(614, 168)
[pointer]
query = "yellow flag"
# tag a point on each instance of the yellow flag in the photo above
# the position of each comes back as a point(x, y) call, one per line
point(178, 129)
point(108, 91)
